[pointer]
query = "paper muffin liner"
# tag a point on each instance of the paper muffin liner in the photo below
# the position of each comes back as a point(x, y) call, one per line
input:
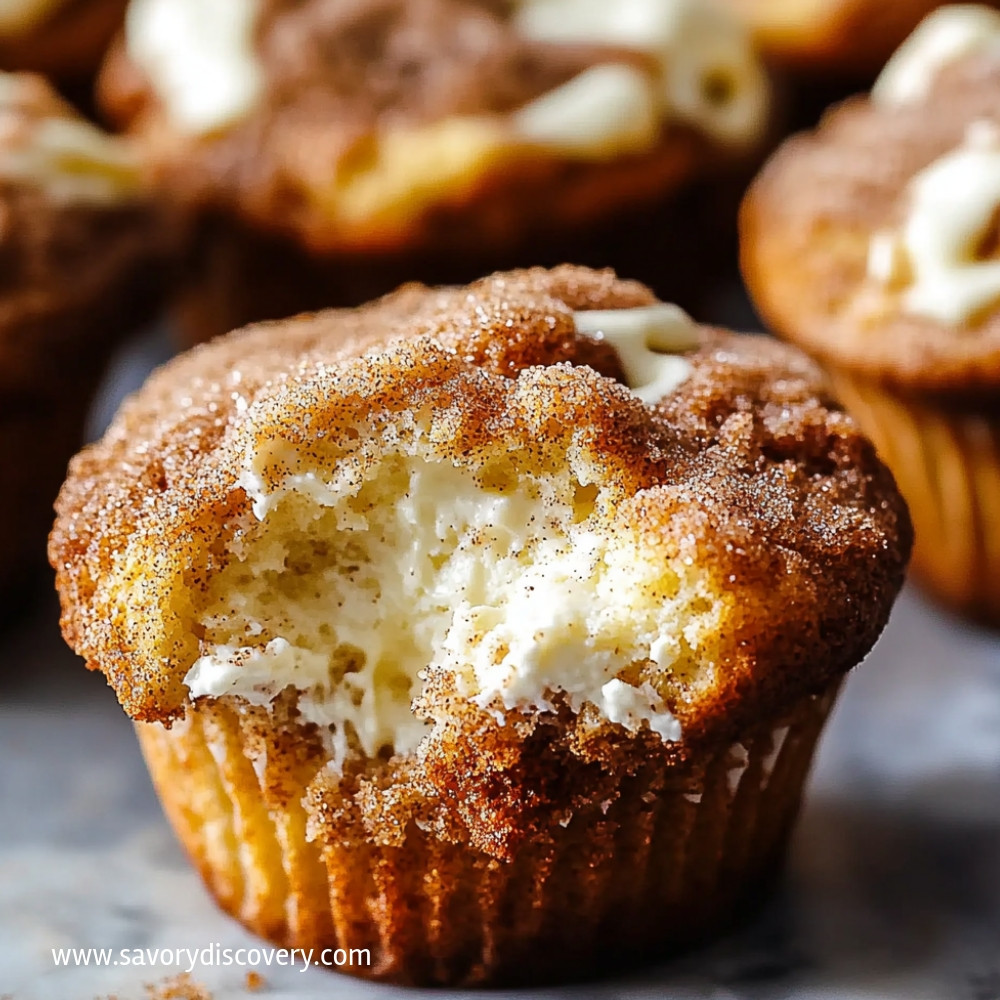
point(677, 857)
point(947, 465)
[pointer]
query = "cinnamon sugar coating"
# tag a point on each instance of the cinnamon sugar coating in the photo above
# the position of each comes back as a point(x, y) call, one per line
point(808, 221)
point(749, 473)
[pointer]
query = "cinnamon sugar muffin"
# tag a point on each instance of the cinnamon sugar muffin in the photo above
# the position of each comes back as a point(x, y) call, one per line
point(64, 39)
point(872, 243)
point(83, 254)
point(842, 37)
point(443, 642)
point(332, 149)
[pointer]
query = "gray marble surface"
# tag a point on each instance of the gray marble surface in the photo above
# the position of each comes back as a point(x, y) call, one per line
point(892, 891)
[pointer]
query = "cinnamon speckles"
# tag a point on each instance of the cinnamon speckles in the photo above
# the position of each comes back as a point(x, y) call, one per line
point(747, 482)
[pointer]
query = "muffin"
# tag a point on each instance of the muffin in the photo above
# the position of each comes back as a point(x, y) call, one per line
point(83, 254)
point(445, 643)
point(872, 243)
point(331, 150)
point(846, 38)
point(64, 39)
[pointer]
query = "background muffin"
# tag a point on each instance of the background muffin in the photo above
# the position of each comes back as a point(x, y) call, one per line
point(873, 243)
point(64, 39)
point(447, 644)
point(332, 150)
point(83, 255)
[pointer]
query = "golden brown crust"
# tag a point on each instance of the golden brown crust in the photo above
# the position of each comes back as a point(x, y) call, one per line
point(748, 468)
point(807, 223)
point(843, 37)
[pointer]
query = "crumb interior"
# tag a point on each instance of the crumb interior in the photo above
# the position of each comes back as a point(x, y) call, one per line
point(358, 587)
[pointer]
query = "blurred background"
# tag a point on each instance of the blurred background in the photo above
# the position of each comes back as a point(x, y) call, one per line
point(174, 169)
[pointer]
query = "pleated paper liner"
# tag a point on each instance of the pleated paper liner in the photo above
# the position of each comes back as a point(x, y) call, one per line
point(947, 465)
point(670, 862)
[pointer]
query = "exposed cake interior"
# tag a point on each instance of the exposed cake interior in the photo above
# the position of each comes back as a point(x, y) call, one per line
point(357, 584)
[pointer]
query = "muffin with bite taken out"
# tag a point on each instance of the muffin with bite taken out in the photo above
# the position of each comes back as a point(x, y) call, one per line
point(490, 629)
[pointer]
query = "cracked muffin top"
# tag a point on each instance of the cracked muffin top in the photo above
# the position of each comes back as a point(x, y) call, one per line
point(872, 242)
point(456, 519)
point(364, 125)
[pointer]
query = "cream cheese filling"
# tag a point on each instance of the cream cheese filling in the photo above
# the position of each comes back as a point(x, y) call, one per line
point(943, 37)
point(357, 582)
point(603, 112)
point(199, 57)
point(649, 342)
point(65, 156)
point(709, 73)
point(934, 256)
point(508, 593)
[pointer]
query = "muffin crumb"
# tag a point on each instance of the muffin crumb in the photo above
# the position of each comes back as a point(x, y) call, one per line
point(180, 987)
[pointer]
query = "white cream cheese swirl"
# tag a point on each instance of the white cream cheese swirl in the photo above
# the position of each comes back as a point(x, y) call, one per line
point(45, 145)
point(934, 256)
point(943, 37)
point(426, 568)
point(709, 74)
point(199, 56)
point(650, 342)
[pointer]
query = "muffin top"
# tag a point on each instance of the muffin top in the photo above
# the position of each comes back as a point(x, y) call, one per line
point(349, 122)
point(872, 242)
point(445, 524)
point(74, 218)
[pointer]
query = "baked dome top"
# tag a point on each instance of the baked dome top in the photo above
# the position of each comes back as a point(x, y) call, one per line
point(812, 218)
point(356, 125)
point(450, 496)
